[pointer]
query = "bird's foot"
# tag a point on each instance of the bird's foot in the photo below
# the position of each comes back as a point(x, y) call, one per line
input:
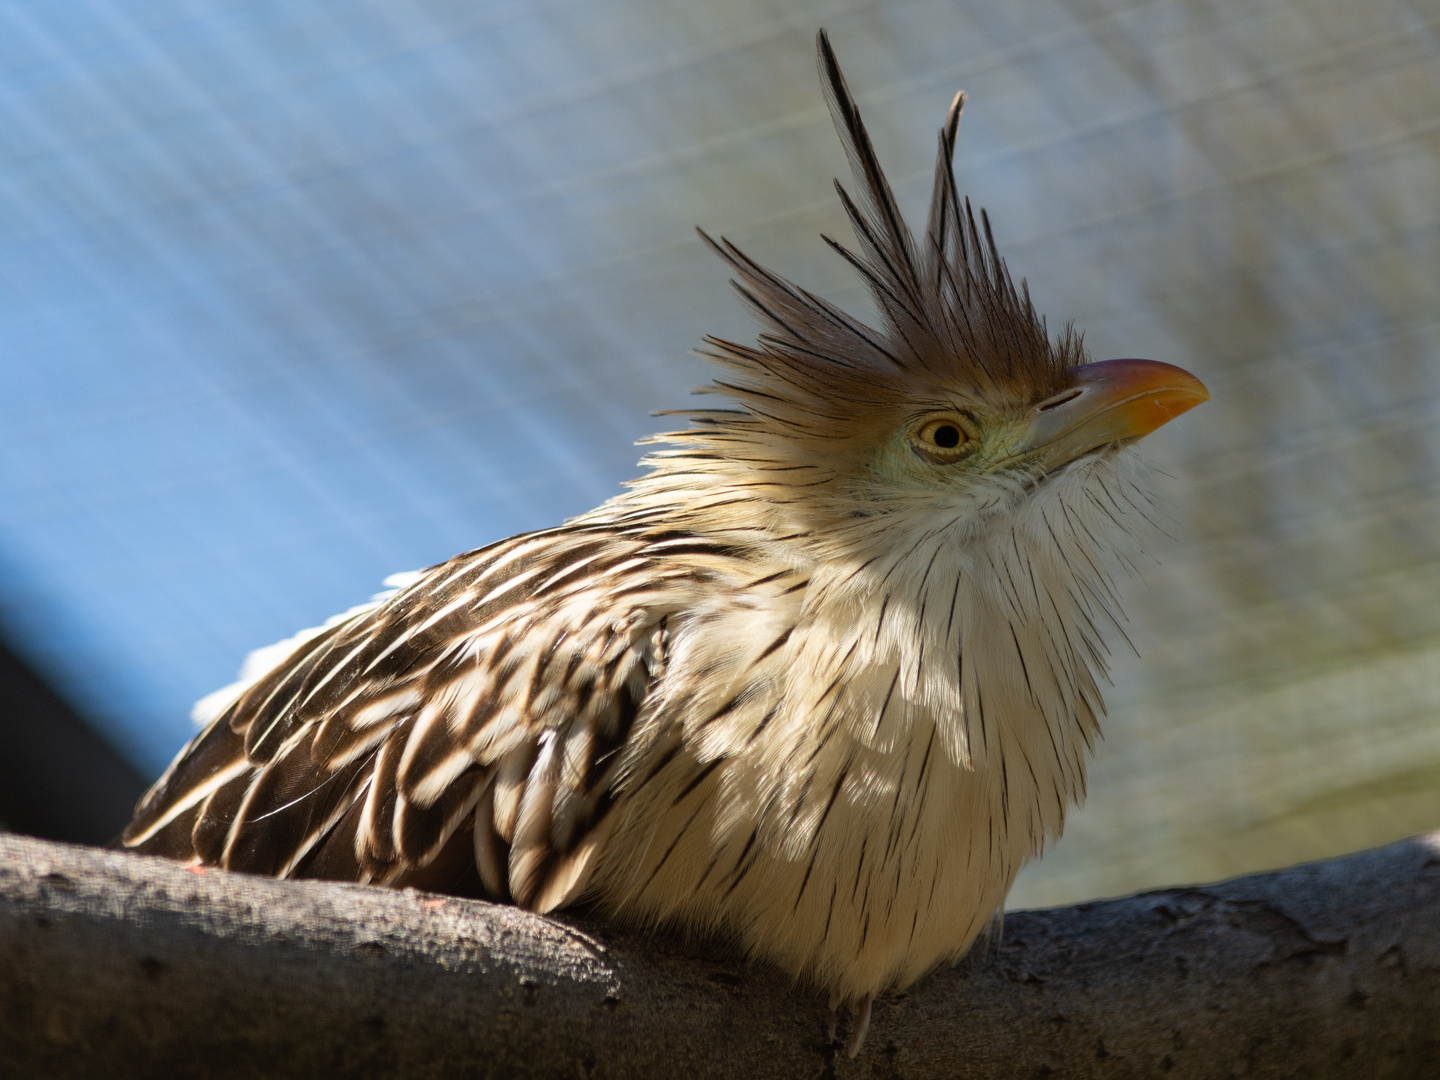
point(834, 1014)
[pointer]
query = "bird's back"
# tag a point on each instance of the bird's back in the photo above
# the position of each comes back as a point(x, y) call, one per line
point(513, 679)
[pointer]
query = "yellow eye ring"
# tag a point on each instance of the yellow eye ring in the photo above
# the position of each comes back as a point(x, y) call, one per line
point(941, 439)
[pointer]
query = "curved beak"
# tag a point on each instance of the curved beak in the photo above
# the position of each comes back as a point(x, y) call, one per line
point(1111, 402)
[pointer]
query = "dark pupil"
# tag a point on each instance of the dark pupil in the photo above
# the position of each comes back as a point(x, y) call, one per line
point(947, 435)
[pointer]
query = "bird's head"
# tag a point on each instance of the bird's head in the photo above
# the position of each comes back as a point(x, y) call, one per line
point(961, 403)
point(951, 439)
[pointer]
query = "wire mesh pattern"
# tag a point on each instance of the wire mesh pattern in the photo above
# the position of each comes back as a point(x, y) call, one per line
point(297, 295)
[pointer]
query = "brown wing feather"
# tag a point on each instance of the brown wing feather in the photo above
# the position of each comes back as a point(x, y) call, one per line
point(464, 734)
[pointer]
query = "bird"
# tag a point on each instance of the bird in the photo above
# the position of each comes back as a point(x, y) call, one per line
point(821, 680)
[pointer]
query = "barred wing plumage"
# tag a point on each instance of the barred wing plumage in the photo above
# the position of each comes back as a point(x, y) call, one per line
point(463, 735)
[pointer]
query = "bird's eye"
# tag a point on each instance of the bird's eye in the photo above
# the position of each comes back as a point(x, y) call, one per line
point(941, 439)
point(946, 435)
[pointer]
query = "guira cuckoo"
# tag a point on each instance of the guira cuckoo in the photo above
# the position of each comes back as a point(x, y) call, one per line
point(822, 679)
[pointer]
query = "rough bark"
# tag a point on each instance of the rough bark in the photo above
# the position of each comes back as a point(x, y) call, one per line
point(121, 966)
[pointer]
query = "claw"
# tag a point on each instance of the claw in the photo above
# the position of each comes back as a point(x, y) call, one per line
point(862, 1024)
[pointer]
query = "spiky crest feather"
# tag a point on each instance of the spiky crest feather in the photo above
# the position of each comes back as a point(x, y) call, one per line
point(952, 319)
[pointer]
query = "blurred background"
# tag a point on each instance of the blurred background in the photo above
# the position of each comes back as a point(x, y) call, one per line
point(296, 295)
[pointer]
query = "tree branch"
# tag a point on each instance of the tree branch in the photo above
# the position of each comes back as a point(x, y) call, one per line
point(123, 966)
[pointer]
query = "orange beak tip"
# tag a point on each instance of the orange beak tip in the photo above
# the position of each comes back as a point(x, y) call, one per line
point(1109, 402)
point(1141, 395)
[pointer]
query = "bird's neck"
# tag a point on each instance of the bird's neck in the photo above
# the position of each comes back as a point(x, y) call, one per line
point(992, 606)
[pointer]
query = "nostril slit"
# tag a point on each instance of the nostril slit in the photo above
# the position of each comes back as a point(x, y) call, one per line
point(1055, 403)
